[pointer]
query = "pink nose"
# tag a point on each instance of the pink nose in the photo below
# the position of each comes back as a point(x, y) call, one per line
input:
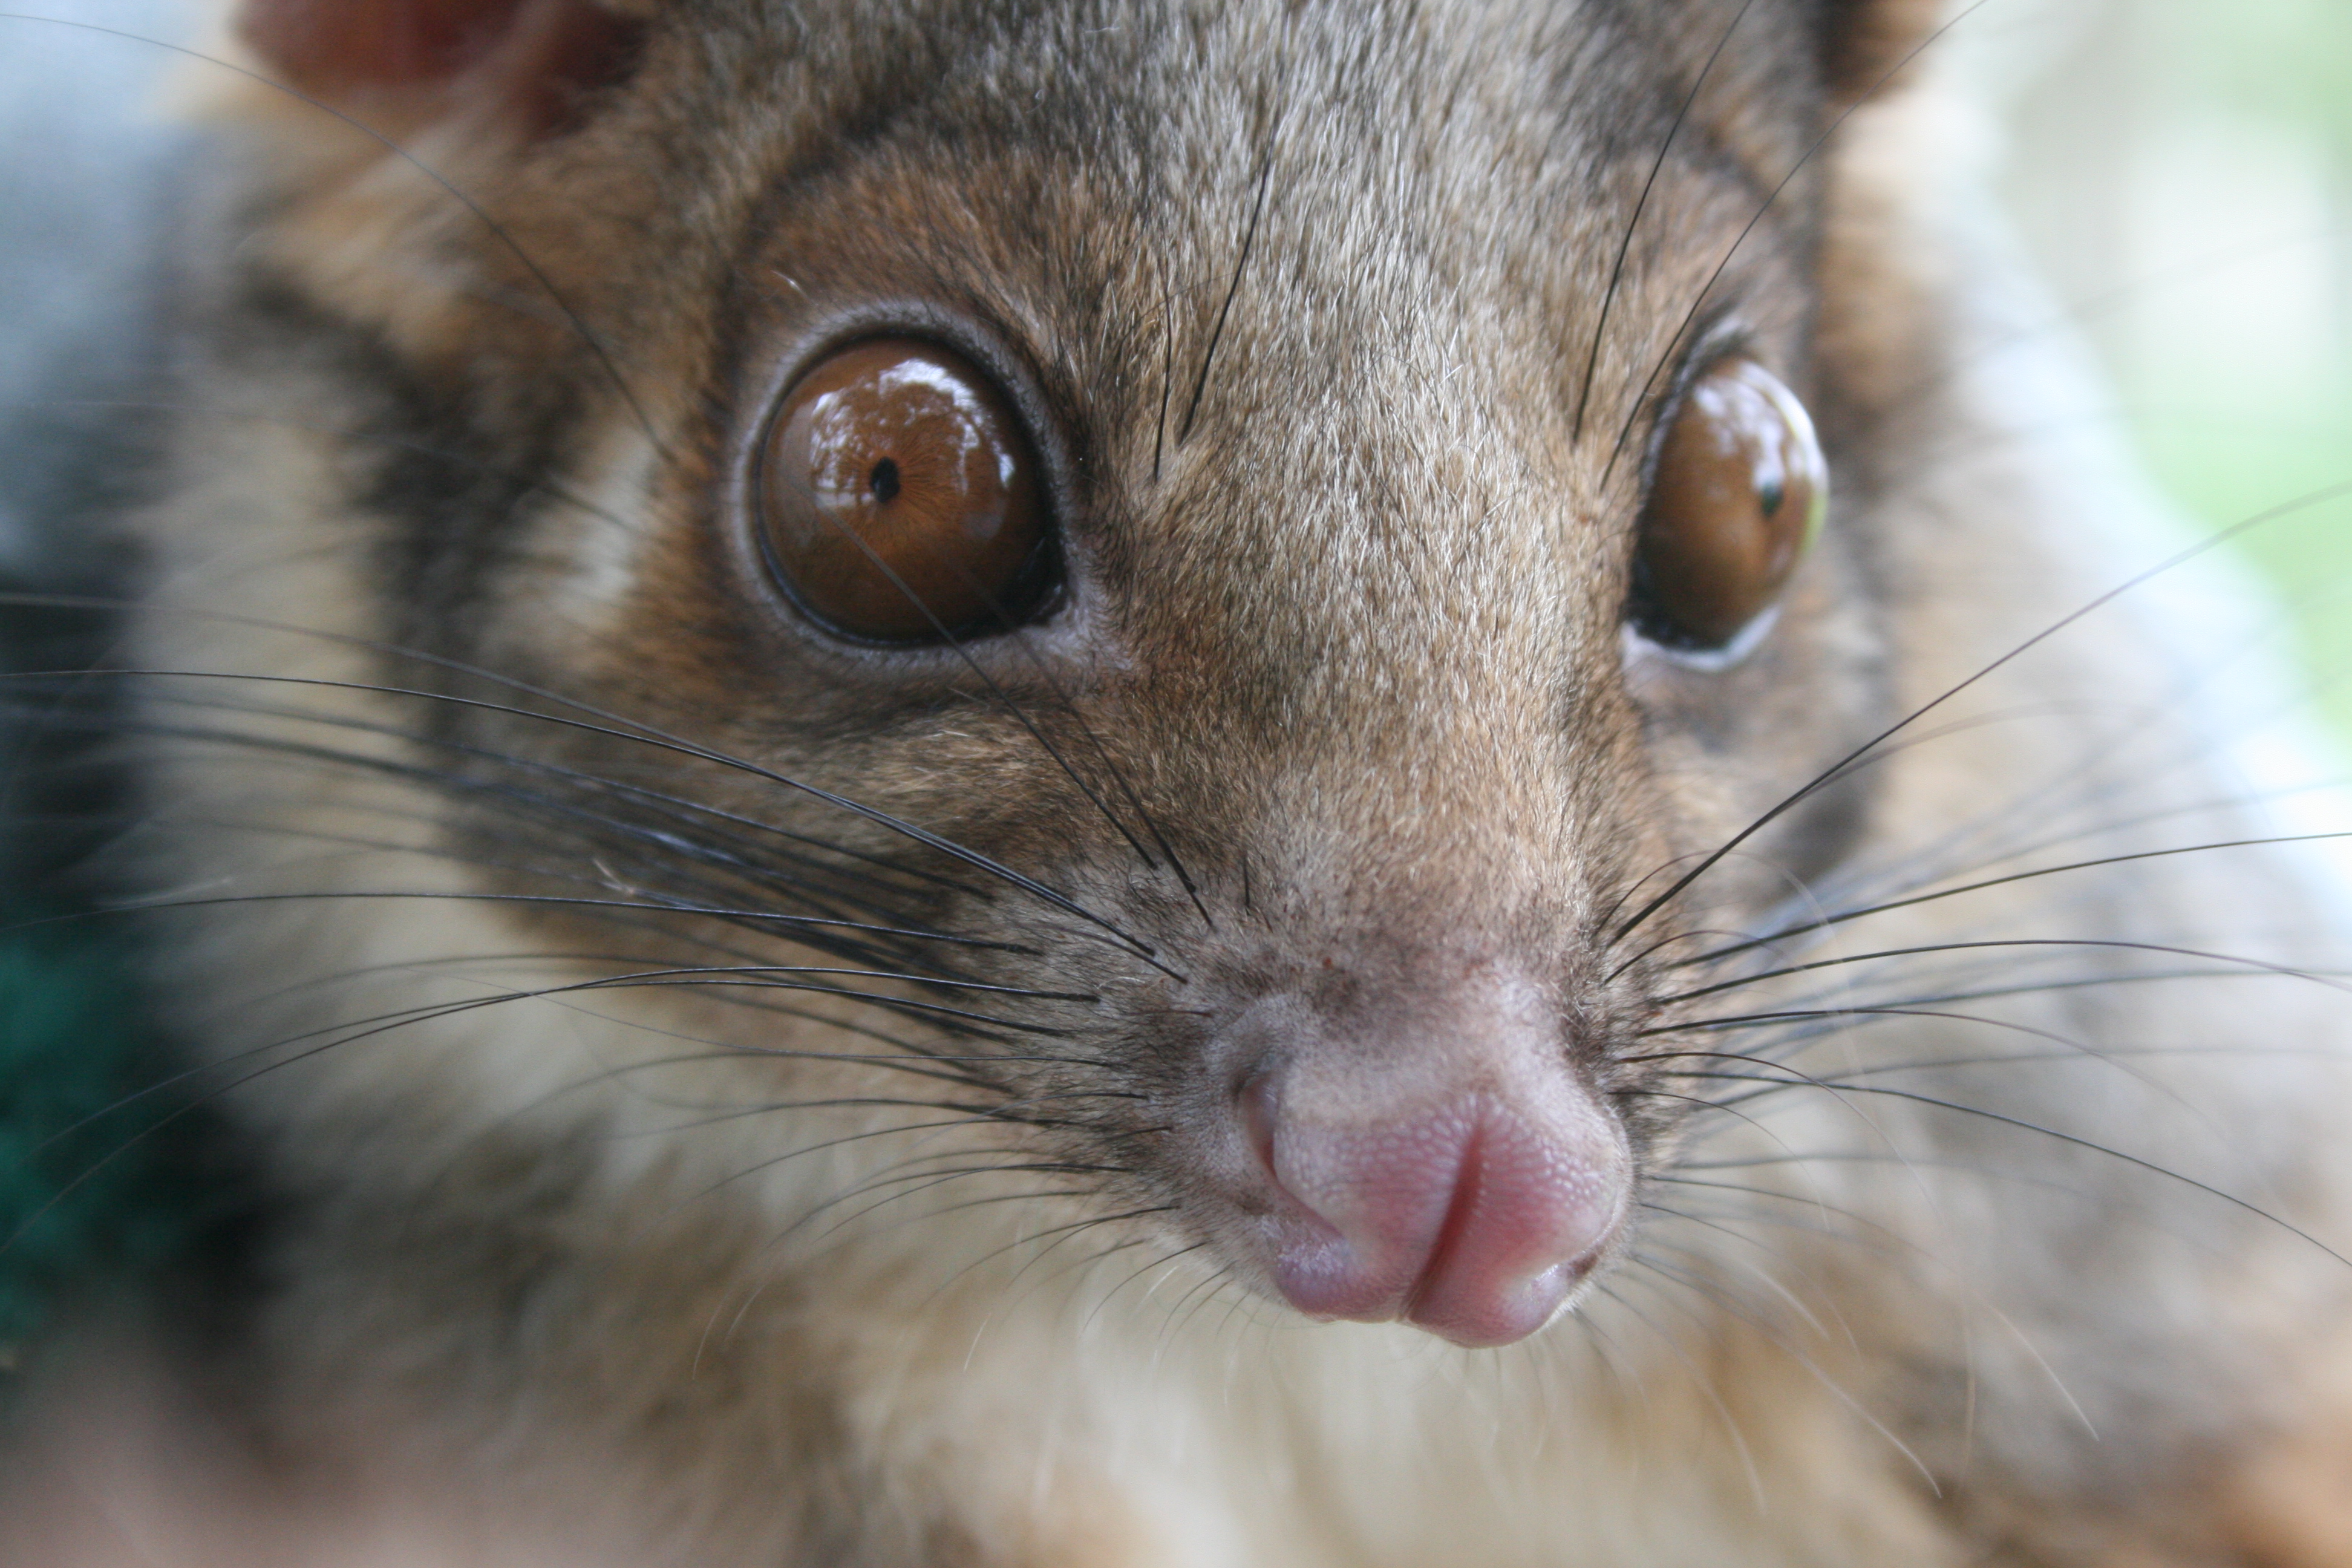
point(1474, 1218)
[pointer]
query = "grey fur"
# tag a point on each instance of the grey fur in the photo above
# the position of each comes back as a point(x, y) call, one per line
point(1298, 299)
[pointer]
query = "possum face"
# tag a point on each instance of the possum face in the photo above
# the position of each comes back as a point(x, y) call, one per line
point(1207, 585)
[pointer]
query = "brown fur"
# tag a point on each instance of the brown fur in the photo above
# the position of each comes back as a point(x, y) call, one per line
point(1349, 637)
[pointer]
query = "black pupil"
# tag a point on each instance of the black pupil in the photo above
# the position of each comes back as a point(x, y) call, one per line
point(1771, 493)
point(884, 479)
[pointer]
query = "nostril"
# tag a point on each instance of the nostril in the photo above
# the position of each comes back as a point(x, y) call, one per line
point(1460, 1210)
point(1256, 1104)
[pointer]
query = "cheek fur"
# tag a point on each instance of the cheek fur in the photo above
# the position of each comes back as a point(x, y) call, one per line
point(1314, 1045)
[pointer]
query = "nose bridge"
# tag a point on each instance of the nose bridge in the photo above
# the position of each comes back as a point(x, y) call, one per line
point(1449, 826)
point(1371, 590)
point(1415, 681)
point(1425, 1149)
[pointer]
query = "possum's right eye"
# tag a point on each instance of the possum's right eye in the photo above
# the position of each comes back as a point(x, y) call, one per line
point(1739, 493)
point(899, 497)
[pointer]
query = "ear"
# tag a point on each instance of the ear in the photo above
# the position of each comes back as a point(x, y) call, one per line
point(530, 62)
point(1867, 45)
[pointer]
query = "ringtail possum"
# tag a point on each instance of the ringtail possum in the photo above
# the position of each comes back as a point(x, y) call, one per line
point(1356, 783)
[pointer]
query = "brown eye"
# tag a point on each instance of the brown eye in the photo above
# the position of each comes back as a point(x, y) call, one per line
point(1740, 492)
point(899, 498)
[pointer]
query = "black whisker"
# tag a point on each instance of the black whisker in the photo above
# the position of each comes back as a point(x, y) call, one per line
point(605, 723)
point(2088, 1145)
point(1634, 223)
point(1217, 333)
point(1838, 769)
point(1698, 299)
point(2234, 960)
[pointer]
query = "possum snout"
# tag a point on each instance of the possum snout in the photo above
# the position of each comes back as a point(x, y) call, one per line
point(1433, 1161)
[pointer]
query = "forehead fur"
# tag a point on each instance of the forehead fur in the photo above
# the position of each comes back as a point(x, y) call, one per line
point(1350, 244)
point(1343, 330)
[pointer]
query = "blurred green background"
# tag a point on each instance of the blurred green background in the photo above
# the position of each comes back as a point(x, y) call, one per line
point(2182, 171)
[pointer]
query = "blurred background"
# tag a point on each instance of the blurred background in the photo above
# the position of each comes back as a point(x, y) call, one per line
point(2181, 170)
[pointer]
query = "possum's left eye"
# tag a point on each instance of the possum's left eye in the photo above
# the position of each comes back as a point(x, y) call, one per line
point(897, 497)
point(1739, 493)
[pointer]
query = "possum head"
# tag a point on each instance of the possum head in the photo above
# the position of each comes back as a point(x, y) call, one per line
point(1200, 578)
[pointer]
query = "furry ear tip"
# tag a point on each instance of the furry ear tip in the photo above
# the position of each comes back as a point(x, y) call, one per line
point(1869, 46)
point(536, 55)
point(324, 47)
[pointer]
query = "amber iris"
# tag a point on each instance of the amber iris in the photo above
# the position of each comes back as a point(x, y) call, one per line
point(899, 497)
point(1740, 492)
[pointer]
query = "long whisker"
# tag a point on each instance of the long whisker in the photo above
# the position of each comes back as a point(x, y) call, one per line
point(825, 931)
point(2255, 964)
point(2069, 1050)
point(554, 489)
point(1698, 299)
point(995, 688)
point(344, 1035)
point(1913, 1096)
point(1634, 223)
point(735, 854)
point(1836, 1390)
point(762, 916)
point(1842, 917)
point(615, 726)
point(1241, 266)
point(1837, 770)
